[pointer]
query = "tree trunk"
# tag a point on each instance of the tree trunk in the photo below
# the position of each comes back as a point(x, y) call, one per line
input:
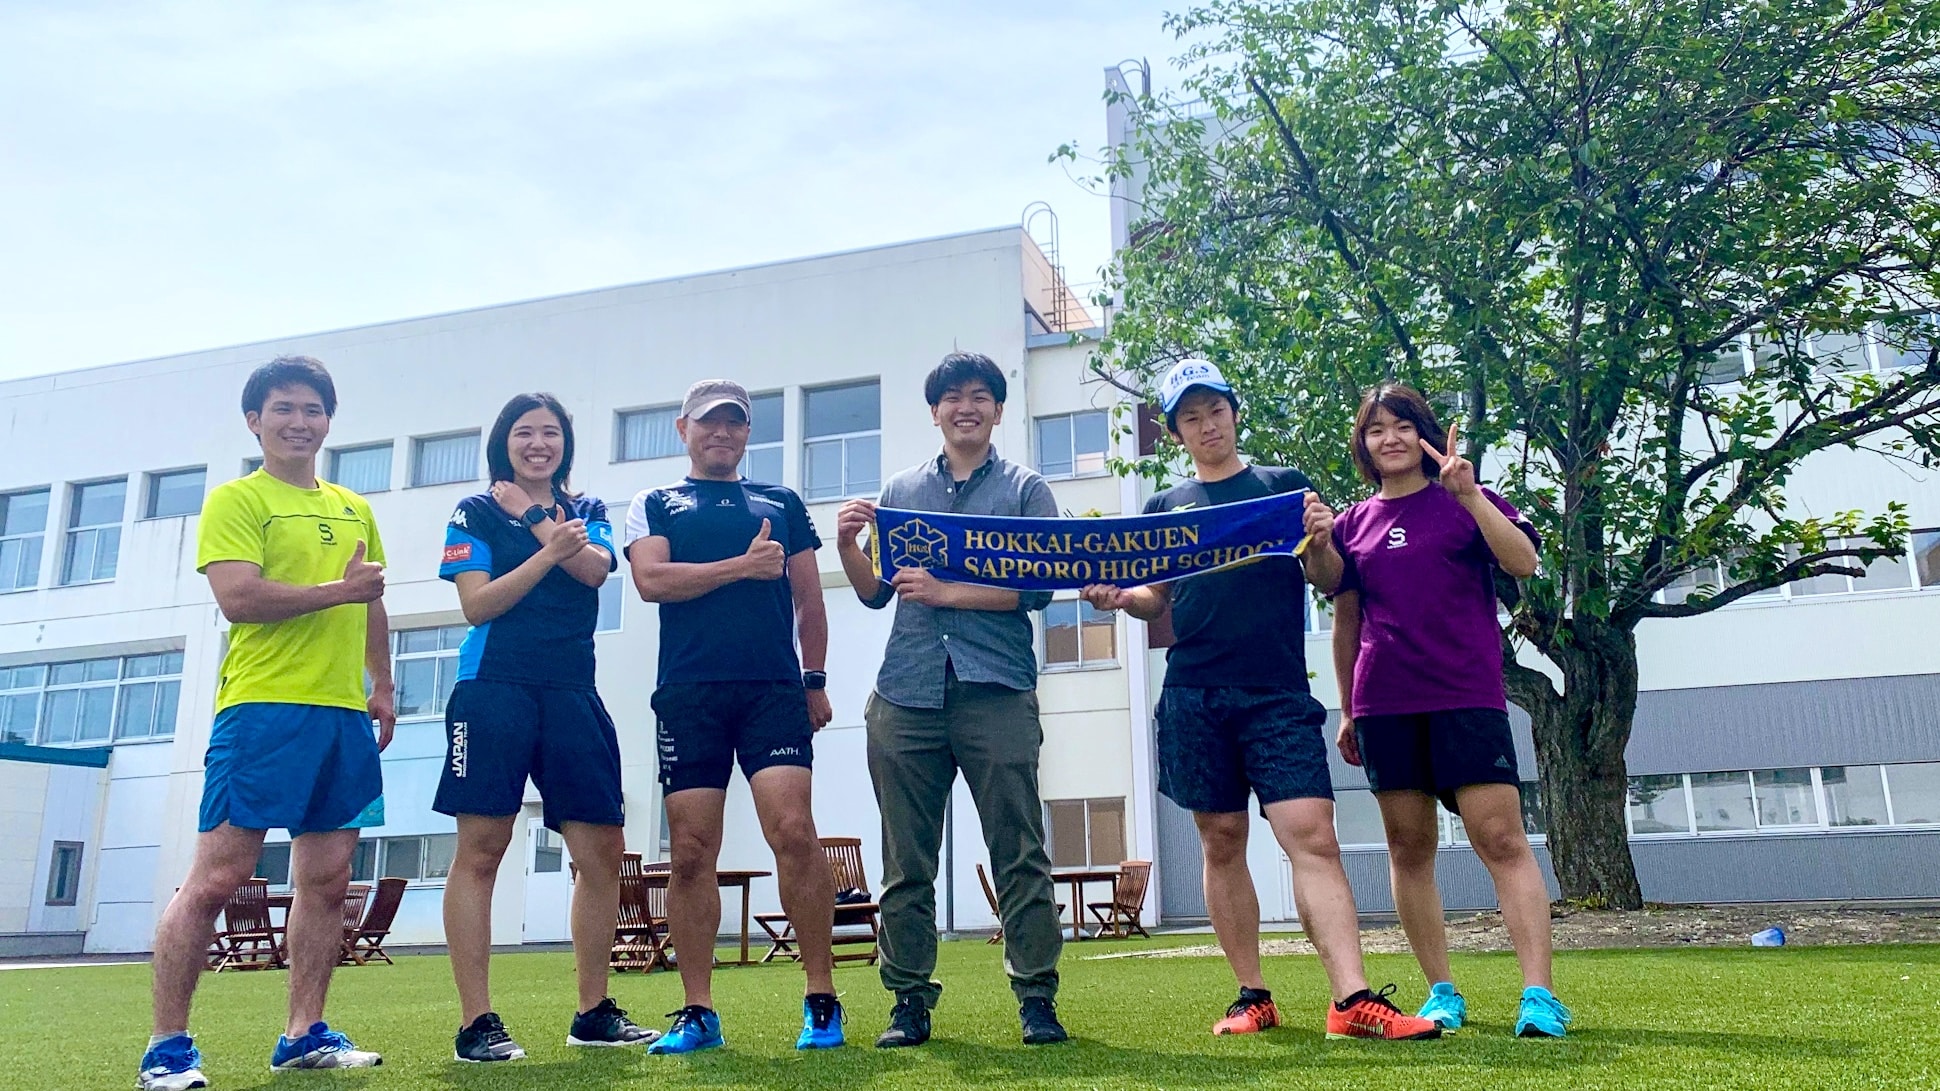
point(1580, 738)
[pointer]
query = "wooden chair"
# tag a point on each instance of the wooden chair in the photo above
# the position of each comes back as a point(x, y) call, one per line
point(1118, 918)
point(248, 940)
point(640, 933)
point(855, 924)
point(356, 902)
point(990, 895)
point(368, 942)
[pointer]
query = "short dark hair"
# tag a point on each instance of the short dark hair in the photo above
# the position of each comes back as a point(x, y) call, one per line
point(1406, 403)
point(959, 368)
point(498, 452)
point(289, 371)
point(1172, 417)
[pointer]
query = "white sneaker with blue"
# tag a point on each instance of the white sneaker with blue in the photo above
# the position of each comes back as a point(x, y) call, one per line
point(320, 1048)
point(173, 1064)
point(1445, 1006)
point(1542, 1015)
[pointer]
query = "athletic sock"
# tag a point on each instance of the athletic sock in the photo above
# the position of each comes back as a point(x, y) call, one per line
point(1353, 1000)
point(1254, 996)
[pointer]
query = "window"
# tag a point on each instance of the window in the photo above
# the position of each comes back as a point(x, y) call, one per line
point(64, 874)
point(91, 702)
point(176, 492)
point(1074, 445)
point(1659, 804)
point(273, 863)
point(1855, 795)
point(251, 465)
point(1086, 832)
point(1319, 614)
point(1913, 348)
point(842, 448)
point(1785, 798)
point(1357, 819)
point(1883, 574)
point(362, 469)
point(23, 523)
point(424, 857)
point(648, 433)
point(612, 597)
point(363, 862)
point(1076, 636)
point(1914, 793)
point(94, 531)
point(1723, 801)
point(762, 462)
point(548, 852)
point(1926, 558)
point(442, 460)
point(424, 663)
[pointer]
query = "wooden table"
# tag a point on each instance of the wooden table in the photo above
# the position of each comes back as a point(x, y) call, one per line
point(1078, 877)
point(724, 879)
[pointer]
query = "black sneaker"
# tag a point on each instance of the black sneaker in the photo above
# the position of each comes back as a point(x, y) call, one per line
point(1040, 1019)
point(485, 1040)
point(909, 1024)
point(607, 1025)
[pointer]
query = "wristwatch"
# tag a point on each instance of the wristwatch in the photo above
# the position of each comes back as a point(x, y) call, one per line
point(815, 680)
point(535, 515)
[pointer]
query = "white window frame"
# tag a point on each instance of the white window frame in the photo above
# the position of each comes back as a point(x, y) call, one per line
point(850, 487)
point(620, 579)
point(455, 633)
point(55, 873)
point(31, 573)
point(72, 532)
point(1821, 801)
point(251, 465)
point(390, 465)
point(620, 419)
point(779, 446)
point(1045, 666)
point(1071, 429)
point(418, 444)
point(168, 687)
point(1087, 802)
point(151, 491)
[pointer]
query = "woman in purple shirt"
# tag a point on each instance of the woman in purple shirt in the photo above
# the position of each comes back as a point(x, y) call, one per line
point(1418, 652)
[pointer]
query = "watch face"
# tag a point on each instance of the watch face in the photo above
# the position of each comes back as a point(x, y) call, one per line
point(535, 515)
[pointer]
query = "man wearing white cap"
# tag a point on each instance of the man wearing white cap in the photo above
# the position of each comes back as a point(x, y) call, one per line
point(1236, 720)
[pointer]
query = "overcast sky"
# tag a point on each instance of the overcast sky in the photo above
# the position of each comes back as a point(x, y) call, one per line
point(187, 175)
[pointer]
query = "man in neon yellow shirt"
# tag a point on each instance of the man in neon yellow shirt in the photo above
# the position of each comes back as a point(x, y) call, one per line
point(298, 569)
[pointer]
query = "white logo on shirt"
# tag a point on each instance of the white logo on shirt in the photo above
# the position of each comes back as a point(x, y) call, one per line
point(1397, 537)
point(458, 518)
point(724, 502)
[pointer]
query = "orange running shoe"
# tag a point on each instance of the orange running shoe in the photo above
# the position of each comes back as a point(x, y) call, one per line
point(1252, 1013)
point(1371, 1015)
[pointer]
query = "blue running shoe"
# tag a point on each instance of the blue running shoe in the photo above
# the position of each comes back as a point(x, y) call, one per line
point(320, 1048)
point(695, 1028)
point(1542, 1015)
point(1445, 1006)
point(821, 1022)
point(172, 1065)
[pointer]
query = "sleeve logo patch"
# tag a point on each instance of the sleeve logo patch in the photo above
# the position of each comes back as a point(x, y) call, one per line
point(460, 552)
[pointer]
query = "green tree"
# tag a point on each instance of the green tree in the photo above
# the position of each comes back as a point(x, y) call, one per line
point(1641, 246)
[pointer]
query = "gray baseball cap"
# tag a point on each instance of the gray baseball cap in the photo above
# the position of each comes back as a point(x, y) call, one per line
point(710, 394)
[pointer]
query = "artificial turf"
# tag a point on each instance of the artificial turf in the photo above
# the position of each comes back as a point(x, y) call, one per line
point(1688, 1018)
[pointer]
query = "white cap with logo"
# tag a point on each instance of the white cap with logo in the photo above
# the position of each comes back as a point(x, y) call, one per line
point(1187, 374)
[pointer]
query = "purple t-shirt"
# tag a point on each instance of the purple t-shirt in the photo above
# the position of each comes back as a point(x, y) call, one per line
point(1429, 637)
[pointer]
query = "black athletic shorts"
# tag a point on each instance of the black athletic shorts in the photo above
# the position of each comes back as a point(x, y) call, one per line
point(499, 733)
point(1218, 744)
point(1437, 752)
point(705, 726)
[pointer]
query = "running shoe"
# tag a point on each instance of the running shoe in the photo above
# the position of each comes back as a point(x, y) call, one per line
point(821, 1022)
point(173, 1064)
point(1542, 1015)
point(320, 1048)
point(909, 1024)
point(607, 1025)
point(485, 1041)
point(1445, 1006)
point(1372, 1015)
point(1252, 1013)
point(1040, 1018)
point(695, 1028)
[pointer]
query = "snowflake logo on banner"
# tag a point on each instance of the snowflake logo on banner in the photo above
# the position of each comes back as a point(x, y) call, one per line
point(917, 544)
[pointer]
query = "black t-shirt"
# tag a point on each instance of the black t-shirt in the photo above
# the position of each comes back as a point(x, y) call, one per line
point(546, 638)
point(739, 632)
point(1243, 626)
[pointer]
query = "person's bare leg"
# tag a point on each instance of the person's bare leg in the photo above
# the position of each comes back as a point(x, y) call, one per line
point(224, 858)
point(782, 800)
point(596, 904)
point(468, 908)
point(694, 817)
point(1493, 815)
point(1414, 833)
point(1231, 901)
point(1305, 830)
point(320, 869)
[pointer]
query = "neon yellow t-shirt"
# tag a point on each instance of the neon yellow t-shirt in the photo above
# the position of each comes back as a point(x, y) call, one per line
point(301, 537)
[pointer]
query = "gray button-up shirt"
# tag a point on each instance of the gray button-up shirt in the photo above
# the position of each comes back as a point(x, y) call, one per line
point(982, 645)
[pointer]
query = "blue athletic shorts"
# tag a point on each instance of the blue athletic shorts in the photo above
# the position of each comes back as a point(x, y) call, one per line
point(301, 768)
point(499, 733)
point(1217, 745)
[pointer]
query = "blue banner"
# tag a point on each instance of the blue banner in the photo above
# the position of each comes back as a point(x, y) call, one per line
point(1064, 554)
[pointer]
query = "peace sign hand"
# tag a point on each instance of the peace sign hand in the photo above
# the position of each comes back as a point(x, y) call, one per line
point(1457, 473)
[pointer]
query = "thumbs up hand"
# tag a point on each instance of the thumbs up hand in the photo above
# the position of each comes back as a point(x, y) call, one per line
point(363, 581)
point(765, 559)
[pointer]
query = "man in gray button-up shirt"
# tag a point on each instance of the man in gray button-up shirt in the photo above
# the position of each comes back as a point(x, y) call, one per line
point(957, 691)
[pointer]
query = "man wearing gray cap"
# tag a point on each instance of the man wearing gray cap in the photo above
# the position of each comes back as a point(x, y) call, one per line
point(732, 564)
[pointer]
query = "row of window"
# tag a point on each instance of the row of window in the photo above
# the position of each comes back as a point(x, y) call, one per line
point(1790, 800)
point(426, 856)
point(1918, 567)
point(91, 702)
point(1357, 819)
point(1868, 351)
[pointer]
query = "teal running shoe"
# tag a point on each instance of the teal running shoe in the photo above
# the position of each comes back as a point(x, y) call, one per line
point(1542, 1015)
point(821, 1022)
point(695, 1028)
point(1445, 1006)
